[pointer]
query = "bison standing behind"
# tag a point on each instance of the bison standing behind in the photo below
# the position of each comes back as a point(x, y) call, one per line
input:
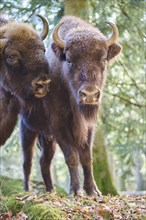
point(23, 70)
point(77, 61)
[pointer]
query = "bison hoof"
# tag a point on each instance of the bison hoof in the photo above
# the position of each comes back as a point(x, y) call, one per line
point(78, 193)
point(51, 190)
point(93, 192)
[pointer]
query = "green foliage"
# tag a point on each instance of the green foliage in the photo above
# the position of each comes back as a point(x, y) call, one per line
point(123, 107)
point(25, 10)
point(10, 203)
point(10, 186)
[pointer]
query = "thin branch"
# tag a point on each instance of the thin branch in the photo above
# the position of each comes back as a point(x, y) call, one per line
point(126, 100)
point(125, 70)
point(141, 34)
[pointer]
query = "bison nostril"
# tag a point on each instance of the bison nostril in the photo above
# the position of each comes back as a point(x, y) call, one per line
point(39, 86)
point(97, 94)
point(89, 95)
point(82, 95)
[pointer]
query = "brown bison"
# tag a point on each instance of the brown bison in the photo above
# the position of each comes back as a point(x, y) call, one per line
point(23, 70)
point(67, 114)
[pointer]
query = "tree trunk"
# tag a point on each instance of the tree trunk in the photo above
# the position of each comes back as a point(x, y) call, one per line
point(78, 8)
point(100, 165)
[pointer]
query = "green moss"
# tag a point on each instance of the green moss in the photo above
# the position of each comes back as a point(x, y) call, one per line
point(42, 212)
point(60, 191)
point(31, 208)
point(10, 203)
point(10, 186)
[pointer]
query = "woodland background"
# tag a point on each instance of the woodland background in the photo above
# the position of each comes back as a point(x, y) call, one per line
point(119, 147)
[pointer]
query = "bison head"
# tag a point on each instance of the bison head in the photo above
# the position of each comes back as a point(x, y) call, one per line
point(23, 66)
point(84, 53)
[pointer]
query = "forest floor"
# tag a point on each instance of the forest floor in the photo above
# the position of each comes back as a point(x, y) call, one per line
point(57, 206)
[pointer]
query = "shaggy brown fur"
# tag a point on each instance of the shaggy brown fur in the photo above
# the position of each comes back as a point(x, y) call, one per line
point(22, 65)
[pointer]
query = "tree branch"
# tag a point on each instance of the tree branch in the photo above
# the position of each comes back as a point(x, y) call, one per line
point(126, 100)
point(125, 70)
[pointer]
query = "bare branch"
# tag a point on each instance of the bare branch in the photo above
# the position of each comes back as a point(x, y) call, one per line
point(126, 100)
point(132, 79)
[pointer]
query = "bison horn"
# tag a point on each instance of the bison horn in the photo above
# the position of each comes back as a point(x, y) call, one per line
point(57, 40)
point(113, 38)
point(45, 28)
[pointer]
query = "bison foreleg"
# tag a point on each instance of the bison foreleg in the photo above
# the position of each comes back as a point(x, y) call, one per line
point(85, 153)
point(48, 149)
point(27, 142)
point(86, 161)
point(72, 160)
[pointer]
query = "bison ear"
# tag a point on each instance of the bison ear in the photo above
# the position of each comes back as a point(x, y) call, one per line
point(113, 51)
point(58, 51)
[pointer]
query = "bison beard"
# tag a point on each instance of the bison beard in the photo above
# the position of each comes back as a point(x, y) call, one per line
point(67, 114)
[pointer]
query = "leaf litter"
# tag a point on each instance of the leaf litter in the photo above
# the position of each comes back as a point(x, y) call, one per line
point(124, 207)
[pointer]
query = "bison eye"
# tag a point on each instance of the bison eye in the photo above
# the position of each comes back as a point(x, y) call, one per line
point(12, 56)
point(69, 62)
point(104, 61)
point(12, 59)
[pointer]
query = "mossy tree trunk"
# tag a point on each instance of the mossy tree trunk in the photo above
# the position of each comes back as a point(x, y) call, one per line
point(77, 8)
point(101, 167)
point(100, 163)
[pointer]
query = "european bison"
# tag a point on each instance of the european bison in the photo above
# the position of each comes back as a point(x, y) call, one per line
point(67, 114)
point(23, 70)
